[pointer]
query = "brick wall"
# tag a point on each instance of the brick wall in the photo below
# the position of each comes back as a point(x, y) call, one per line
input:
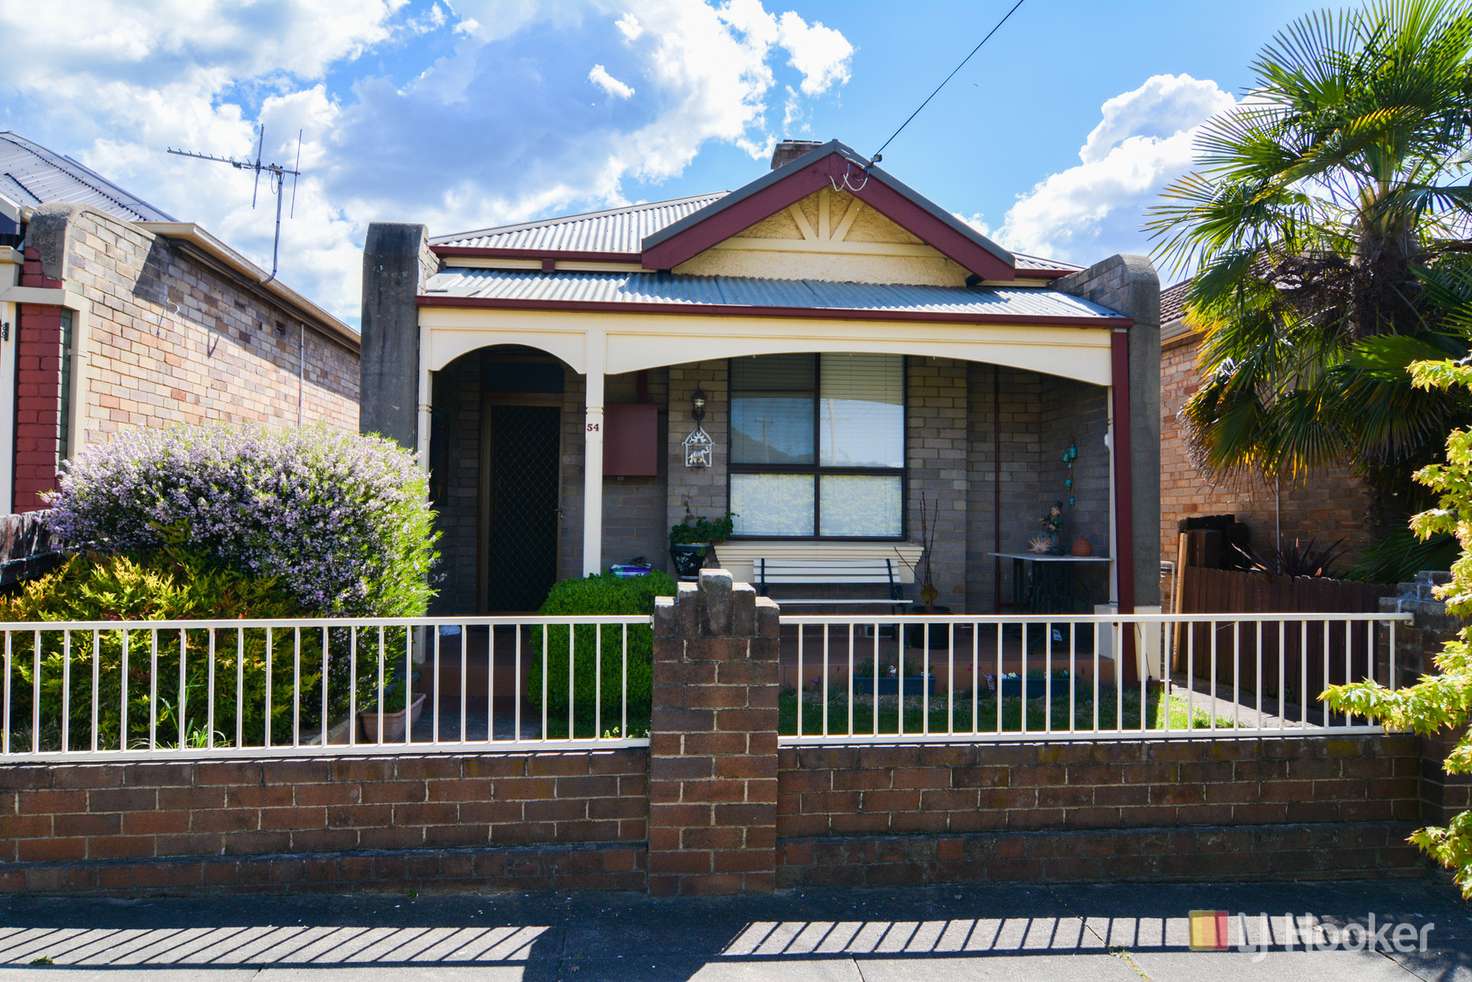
point(698, 491)
point(141, 826)
point(951, 460)
point(173, 341)
point(38, 438)
point(936, 461)
point(635, 509)
point(168, 339)
point(1443, 795)
point(713, 741)
point(1302, 507)
point(455, 484)
point(1038, 415)
point(883, 814)
point(714, 806)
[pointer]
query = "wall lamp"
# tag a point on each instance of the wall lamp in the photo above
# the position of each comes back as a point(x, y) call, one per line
point(697, 403)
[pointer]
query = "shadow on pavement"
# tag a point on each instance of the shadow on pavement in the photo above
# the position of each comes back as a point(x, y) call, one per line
point(1126, 931)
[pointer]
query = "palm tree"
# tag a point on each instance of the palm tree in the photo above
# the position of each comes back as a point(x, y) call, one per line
point(1328, 222)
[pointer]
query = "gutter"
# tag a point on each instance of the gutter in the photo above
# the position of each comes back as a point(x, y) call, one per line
point(216, 250)
point(1117, 322)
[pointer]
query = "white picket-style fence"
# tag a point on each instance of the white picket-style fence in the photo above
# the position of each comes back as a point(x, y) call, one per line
point(116, 689)
point(935, 678)
point(109, 690)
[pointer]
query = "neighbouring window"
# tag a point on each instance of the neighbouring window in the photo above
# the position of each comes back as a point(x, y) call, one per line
point(818, 446)
point(64, 405)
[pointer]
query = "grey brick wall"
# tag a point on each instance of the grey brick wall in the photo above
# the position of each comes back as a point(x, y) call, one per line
point(635, 508)
point(1076, 411)
point(936, 458)
point(1012, 398)
point(952, 459)
point(457, 395)
point(696, 491)
point(1129, 284)
point(570, 539)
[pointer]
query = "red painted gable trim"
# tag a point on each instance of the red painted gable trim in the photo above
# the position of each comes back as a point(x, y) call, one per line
point(554, 254)
point(576, 255)
point(739, 310)
point(731, 219)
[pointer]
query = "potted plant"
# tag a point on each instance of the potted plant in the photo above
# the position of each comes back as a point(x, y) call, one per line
point(692, 540)
point(398, 719)
point(925, 577)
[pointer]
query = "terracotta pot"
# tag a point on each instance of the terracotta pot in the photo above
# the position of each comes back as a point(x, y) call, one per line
point(1081, 547)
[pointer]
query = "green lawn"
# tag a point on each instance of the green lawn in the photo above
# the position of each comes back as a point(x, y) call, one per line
point(1156, 712)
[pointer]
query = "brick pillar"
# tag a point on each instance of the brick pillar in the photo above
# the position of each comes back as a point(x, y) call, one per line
point(1417, 644)
point(713, 741)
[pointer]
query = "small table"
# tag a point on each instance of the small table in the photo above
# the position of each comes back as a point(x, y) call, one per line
point(1050, 588)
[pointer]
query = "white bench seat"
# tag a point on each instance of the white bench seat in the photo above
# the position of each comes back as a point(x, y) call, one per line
point(877, 571)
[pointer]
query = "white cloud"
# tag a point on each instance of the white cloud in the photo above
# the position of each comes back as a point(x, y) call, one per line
point(599, 76)
point(1142, 142)
point(493, 124)
point(628, 25)
point(820, 53)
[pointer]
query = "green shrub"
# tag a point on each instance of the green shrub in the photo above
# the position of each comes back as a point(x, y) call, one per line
point(341, 521)
point(605, 594)
point(173, 584)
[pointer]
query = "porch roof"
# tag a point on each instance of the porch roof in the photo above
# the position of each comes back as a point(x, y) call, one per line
point(695, 294)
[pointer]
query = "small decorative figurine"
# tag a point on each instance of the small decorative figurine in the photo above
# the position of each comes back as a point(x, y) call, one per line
point(1052, 524)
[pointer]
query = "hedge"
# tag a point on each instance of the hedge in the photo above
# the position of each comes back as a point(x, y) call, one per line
point(604, 594)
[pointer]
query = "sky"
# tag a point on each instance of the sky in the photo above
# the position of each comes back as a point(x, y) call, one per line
point(1053, 140)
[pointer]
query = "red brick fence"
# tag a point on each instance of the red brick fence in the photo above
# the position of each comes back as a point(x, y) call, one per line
point(714, 806)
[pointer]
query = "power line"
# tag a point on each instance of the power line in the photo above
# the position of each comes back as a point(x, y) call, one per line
point(997, 27)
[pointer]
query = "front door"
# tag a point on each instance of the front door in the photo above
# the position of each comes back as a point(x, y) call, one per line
point(521, 547)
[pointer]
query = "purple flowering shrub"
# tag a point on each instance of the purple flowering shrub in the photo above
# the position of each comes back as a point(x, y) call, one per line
point(340, 521)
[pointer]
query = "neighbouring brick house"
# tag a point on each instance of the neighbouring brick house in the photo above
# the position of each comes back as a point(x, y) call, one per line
point(858, 351)
point(1329, 505)
point(115, 315)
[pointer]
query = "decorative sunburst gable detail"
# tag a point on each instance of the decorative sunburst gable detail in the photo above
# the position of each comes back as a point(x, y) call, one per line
point(828, 235)
point(831, 166)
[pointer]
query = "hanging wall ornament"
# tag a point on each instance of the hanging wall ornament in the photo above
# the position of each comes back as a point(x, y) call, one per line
point(1069, 456)
point(699, 448)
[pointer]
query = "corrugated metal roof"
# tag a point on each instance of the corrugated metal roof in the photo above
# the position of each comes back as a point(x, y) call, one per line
point(624, 230)
point(611, 230)
point(31, 175)
point(702, 291)
point(1026, 263)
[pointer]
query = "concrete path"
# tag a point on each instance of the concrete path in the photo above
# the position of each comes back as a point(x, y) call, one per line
point(1122, 932)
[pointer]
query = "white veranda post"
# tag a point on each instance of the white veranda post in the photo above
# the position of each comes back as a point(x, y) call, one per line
point(593, 462)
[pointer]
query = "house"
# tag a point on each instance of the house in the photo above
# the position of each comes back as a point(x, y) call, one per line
point(114, 314)
point(1275, 513)
point(851, 350)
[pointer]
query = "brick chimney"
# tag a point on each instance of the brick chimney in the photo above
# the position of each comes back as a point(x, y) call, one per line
point(789, 150)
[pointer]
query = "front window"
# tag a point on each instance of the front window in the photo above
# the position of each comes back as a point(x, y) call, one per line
point(818, 446)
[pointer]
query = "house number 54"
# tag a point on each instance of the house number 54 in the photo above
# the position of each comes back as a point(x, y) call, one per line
point(594, 427)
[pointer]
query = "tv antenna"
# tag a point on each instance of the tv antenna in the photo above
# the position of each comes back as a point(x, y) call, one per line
point(277, 176)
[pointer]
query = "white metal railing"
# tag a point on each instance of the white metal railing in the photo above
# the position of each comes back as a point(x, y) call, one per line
point(939, 678)
point(119, 689)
